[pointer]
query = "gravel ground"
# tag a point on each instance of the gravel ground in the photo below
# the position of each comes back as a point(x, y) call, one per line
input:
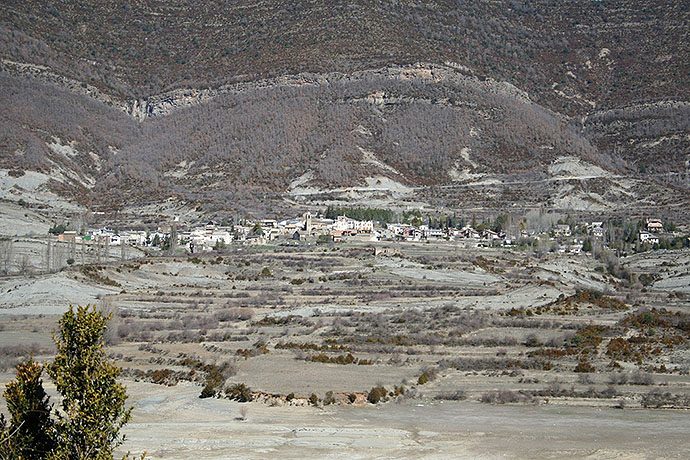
point(176, 424)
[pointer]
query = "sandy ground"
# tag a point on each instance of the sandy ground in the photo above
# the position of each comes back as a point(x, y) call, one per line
point(571, 271)
point(407, 269)
point(303, 378)
point(679, 283)
point(47, 294)
point(521, 297)
point(176, 424)
point(16, 220)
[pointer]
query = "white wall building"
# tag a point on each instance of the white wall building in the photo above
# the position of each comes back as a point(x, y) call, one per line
point(648, 238)
point(344, 223)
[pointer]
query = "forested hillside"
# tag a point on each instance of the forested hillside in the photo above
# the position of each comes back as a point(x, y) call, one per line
point(144, 47)
point(234, 101)
point(411, 124)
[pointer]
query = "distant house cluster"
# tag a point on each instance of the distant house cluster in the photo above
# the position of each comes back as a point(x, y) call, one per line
point(652, 227)
point(314, 229)
point(466, 234)
point(110, 237)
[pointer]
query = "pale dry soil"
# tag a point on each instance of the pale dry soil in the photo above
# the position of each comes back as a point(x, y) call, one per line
point(179, 307)
point(173, 423)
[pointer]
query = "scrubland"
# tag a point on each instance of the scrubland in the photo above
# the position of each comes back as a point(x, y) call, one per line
point(336, 331)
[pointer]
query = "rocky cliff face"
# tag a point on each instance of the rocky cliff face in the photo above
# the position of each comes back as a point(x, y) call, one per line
point(164, 104)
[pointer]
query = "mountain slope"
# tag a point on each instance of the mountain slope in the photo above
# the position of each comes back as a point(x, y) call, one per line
point(236, 104)
point(609, 53)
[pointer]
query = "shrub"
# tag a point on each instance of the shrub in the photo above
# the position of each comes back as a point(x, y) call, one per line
point(234, 314)
point(620, 349)
point(314, 400)
point(610, 392)
point(239, 392)
point(504, 397)
point(426, 377)
point(641, 378)
point(208, 391)
point(532, 341)
point(340, 359)
point(214, 380)
point(458, 395)
point(329, 398)
point(585, 379)
point(618, 379)
point(584, 366)
point(588, 338)
point(376, 395)
point(654, 318)
point(657, 398)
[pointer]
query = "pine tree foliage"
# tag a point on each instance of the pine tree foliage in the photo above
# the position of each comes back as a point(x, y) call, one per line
point(93, 405)
point(30, 432)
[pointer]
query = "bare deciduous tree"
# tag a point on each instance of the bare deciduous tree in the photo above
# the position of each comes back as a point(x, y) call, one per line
point(6, 256)
point(24, 266)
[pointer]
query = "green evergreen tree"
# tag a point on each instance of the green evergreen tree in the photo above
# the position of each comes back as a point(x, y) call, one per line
point(220, 245)
point(587, 245)
point(30, 432)
point(93, 405)
point(257, 230)
point(166, 243)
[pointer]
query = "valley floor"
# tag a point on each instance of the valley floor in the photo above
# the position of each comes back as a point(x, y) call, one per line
point(173, 423)
point(483, 353)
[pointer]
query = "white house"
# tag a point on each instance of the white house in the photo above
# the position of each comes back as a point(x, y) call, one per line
point(133, 238)
point(434, 233)
point(490, 235)
point(205, 238)
point(364, 226)
point(562, 230)
point(655, 225)
point(469, 232)
point(343, 223)
point(648, 238)
point(104, 236)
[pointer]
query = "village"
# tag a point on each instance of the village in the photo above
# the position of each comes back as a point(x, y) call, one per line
point(78, 243)
point(572, 238)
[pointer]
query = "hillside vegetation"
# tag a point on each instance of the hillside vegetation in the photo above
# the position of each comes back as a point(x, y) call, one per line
point(139, 48)
point(239, 100)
